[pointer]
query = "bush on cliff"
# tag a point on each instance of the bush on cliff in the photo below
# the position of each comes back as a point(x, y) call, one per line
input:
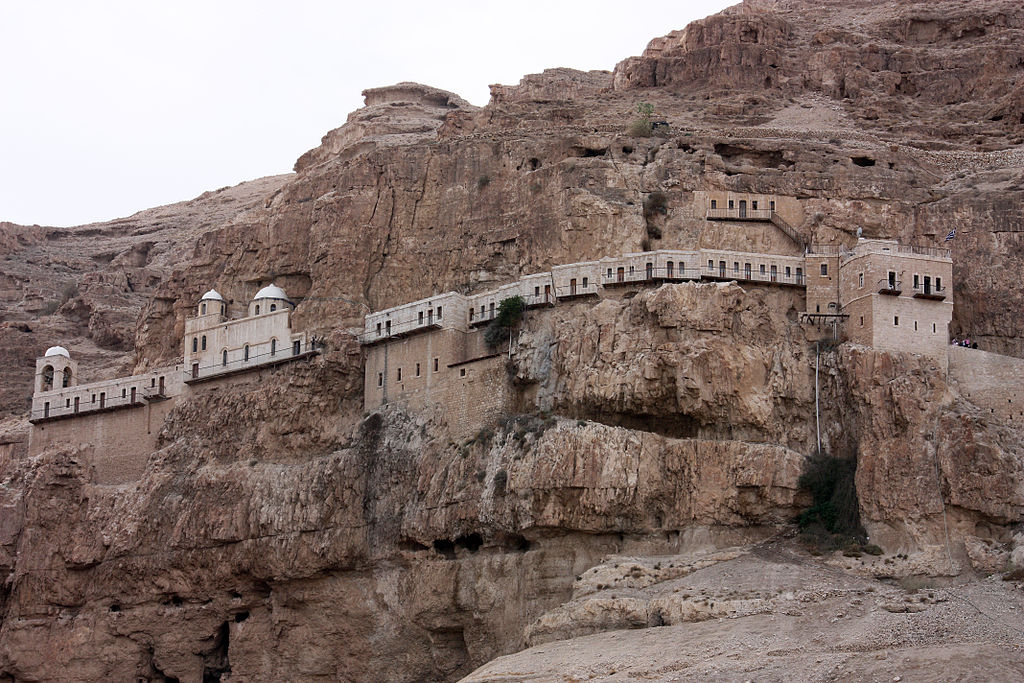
point(833, 520)
point(510, 312)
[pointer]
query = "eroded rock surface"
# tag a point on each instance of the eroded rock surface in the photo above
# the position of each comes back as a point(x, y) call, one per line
point(280, 533)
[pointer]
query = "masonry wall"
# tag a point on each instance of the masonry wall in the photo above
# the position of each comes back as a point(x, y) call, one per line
point(923, 325)
point(993, 382)
point(119, 442)
point(822, 289)
point(455, 377)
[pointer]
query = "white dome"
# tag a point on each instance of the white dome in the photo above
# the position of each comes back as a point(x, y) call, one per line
point(212, 295)
point(57, 351)
point(271, 292)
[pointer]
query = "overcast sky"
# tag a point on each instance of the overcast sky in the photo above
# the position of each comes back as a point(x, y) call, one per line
point(109, 107)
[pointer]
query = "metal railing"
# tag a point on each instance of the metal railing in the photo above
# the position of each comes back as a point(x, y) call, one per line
point(86, 407)
point(254, 360)
point(924, 251)
point(791, 232)
point(887, 285)
point(740, 214)
point(929, 290)
point(826, 249)
point(393, 327)
point(781, 278)
point(680, 272)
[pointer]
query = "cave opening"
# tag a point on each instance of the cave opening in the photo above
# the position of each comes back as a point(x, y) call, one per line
point(862, 161)
point(215, 660)
point(470, 542)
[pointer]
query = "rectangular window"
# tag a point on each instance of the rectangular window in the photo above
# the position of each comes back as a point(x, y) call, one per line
point(714, 203)
point(861, 278)
point(735, 266)
point(378, 329)
point(771, 205)
point(417, 369)
point(387, 327)
point(762, 269)
point(862, 321)
point(933, 328)
point(67, 403)
point(124, 393)
point(399, 374)
point(585, 283)
point(438, 312)
point(421, 318)
point(824, 269)
point(436, 364)
point(730, 204)
point(753, 205)
point(462, 372)
point(895, 320)
point(471, 314)
point(917, 282)
point(536, 290)
point(380, 379)
point(711, 264)
point(789, 272)
point(938, 284)
point(915, 326)
point(94, 398)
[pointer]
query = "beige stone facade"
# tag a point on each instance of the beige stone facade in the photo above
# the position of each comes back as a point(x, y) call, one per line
point(118, 419)
point(897, 297)
point(850, 293)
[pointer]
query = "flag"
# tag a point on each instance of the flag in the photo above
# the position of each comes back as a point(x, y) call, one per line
point(951, 235)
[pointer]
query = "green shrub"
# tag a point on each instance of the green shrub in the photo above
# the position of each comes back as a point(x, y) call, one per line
point(483, 181)
point(834, 505)
point(510, 312)
point(640, 128)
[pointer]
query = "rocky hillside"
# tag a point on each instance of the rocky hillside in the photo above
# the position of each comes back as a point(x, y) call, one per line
point(280, 533)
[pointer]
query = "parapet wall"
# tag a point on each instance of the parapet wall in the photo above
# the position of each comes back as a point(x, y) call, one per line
point(993, 382)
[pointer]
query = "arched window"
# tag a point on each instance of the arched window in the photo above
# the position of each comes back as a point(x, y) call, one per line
point(246, 357)
point(195, 344)
point(203, 311)
point(47, 378)
point(257, 309)
point(223, 308)
point(273, 347)
point(273, 307)
point(67, 377)
point(224, 357)
point(204, 342)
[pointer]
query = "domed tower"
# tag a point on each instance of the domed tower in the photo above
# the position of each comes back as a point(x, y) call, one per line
point(269, 300)
point(55, 370)
point(213, 303)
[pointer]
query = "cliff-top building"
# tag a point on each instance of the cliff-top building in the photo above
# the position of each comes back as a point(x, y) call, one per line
point(121, 417)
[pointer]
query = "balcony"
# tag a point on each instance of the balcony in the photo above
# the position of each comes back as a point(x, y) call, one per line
point(745, 275)
point(739, 214)
point(890, 286)
point(927, 291)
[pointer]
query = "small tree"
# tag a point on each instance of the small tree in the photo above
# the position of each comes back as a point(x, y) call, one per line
point(510, 312)
point(641, 127)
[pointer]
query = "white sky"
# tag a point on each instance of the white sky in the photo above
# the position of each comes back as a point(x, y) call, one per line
point(107, 108)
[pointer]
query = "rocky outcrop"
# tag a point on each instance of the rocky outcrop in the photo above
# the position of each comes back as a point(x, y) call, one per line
point(279, 533)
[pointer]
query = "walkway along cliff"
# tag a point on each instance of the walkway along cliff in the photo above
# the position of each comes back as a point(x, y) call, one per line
point(766, 272)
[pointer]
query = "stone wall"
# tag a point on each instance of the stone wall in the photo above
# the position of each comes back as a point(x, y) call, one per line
point(117, 443)
point(449, 371)
point(993, 382)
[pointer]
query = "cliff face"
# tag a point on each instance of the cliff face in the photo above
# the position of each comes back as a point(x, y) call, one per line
point(279, 533)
